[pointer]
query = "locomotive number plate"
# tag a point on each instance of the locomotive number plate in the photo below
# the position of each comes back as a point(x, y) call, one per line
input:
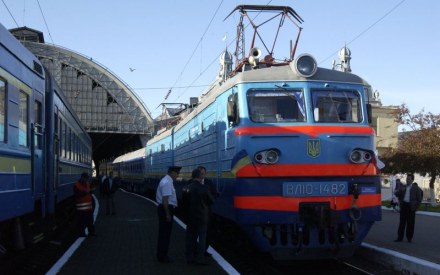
point(314, 189)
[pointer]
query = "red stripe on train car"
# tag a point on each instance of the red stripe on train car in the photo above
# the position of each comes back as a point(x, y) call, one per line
point(309, 130)
point(278, 203)
point(305, 170)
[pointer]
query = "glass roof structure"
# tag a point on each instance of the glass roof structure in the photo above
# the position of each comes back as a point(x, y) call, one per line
point(102, 101)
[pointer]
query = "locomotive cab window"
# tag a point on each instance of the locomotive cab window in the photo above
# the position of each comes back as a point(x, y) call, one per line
point(276, 105)
point(2, 110)
point(336, 106)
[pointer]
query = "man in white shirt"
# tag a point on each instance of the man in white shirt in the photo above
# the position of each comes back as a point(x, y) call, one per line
point(166, 197)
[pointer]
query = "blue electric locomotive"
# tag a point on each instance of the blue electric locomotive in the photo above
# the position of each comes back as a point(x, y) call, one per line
point(289, 147)
point(43, 146)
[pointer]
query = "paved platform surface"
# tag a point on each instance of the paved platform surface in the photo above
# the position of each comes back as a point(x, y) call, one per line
point(421, 256)
point(126, 244)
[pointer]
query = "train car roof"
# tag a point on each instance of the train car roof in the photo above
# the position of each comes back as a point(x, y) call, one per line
point(140, 153)
point(9, 42)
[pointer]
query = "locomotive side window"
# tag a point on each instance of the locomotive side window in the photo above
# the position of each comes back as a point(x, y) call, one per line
point(2, 110)
point(336, 106)
point(23, 120)
point(276, 106)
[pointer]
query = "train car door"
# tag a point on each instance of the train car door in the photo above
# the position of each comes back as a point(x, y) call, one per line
point(37, 131)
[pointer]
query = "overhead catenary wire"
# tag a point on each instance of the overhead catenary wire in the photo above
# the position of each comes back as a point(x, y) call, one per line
point(44, 19)
point(167, 88)
point(197, 46)
point(364, 31)
point(6, 6)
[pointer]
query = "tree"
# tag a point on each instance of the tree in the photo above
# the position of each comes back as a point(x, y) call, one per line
point(418, 148)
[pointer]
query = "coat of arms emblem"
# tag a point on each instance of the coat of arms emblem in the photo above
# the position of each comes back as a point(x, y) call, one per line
point(313, 147)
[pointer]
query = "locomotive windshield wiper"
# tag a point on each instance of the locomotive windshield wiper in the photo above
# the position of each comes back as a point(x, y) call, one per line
point(293, 95)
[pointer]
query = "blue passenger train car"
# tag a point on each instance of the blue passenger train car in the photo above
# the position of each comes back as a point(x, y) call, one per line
point(289, 148)
point(43, 146)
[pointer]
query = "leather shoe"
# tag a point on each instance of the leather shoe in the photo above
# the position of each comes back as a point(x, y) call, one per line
point(397, 240)
point(207, 254)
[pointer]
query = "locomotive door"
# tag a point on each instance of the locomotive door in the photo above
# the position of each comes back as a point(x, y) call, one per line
point(37, 131)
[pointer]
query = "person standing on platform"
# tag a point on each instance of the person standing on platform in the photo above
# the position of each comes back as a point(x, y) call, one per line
point(83, 202)
point(410, 197)
point(198, 217)
point(109, 189)
point(214, 194)
point(101, 184)
point(167, 200)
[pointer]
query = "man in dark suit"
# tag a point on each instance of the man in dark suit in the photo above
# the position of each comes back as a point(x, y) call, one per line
point(109, 189)
point(198, 217)
point(214, 194)
point(410, 197)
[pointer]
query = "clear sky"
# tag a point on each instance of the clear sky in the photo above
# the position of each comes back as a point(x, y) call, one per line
point(395, 44)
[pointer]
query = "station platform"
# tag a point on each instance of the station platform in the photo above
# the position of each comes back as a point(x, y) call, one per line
point(421, 256)
point(126, 244)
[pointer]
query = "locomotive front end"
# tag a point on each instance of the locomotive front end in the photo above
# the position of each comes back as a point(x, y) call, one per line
point(307, 183)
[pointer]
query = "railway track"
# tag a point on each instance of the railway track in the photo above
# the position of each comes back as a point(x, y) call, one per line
point(40, 257)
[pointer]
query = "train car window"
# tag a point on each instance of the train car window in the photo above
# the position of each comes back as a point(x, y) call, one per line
point(81, 148)
point(63, 138)
point(68, 142)
point(23, 120)
point(56, 125)
point(336, 106)
point(38, 122)
point(73, 146)
point(2, 110)
point(76, 147)
point(276, 105)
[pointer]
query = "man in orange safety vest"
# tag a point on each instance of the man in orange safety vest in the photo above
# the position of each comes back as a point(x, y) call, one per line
point(84, 206)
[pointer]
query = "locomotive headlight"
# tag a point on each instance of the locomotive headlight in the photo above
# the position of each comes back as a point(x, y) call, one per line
point(360, 155)
point(306, 65)
point(356, 156)
point(367, 156)
point(272, 156)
